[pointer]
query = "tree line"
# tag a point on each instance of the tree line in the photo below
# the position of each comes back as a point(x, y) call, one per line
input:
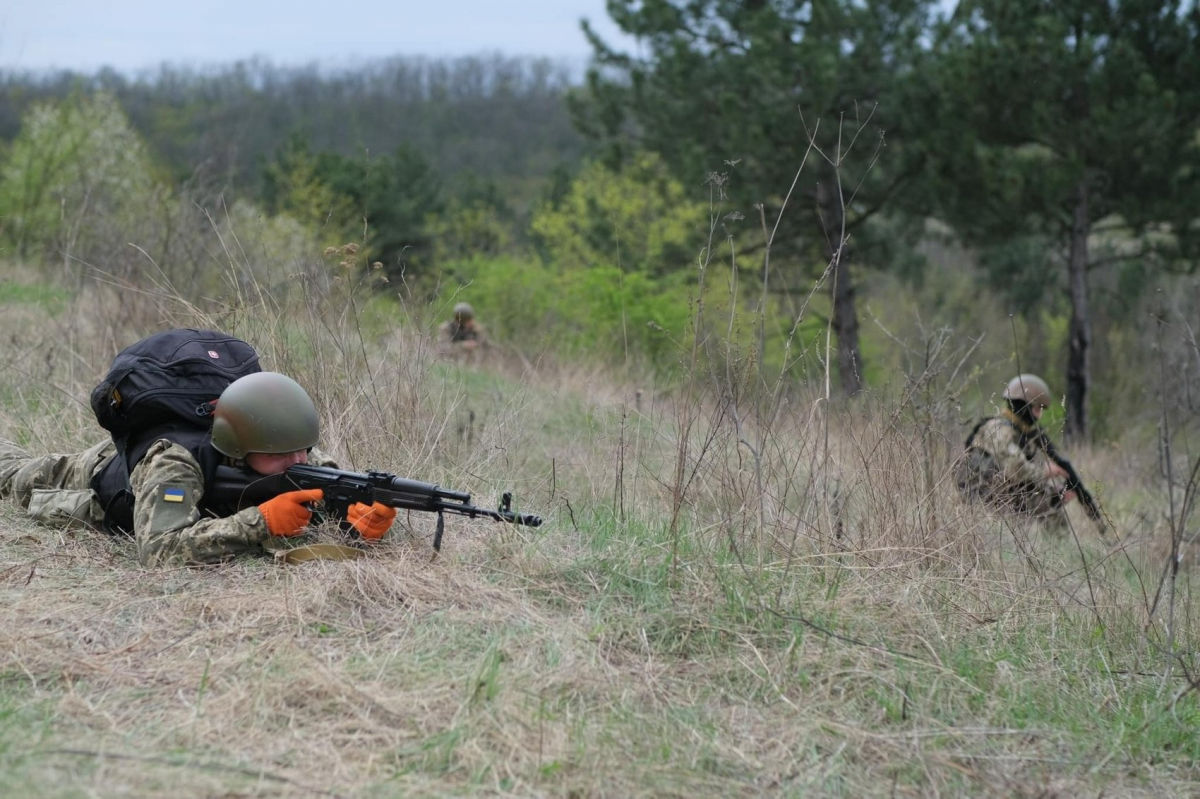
point(824, 142)
point(494, 115)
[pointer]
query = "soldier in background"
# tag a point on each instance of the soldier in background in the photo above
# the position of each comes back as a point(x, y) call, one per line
point(462, 336)
point(1009, 462)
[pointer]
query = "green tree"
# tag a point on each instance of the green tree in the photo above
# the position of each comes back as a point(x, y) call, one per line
point(476, 221)
point(624, 246)
point(615, 248)
point(292, 186)
point(394, 195)
point(74, 179)
point(1061, 116)
point(384, 201)
point(742, 87)
point(638, 219)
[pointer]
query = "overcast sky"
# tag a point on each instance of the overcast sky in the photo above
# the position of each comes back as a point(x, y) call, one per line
point(132, 35)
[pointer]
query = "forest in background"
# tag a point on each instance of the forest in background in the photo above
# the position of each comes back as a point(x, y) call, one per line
point(870, 180)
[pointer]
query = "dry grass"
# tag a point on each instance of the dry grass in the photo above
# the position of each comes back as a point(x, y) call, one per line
point(821, 616)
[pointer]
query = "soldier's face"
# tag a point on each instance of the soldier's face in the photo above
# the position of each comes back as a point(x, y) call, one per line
point(1038, 410)
point(275, 462)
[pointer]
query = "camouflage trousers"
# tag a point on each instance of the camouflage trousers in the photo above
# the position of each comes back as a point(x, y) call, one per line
point(979, 479)
point(54, 489)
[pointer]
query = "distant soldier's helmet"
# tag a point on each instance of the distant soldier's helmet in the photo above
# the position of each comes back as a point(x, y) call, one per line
point(1029, 389)
point(264, 412)
point(463, 311)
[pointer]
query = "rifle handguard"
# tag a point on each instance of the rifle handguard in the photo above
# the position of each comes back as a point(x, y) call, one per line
point(343, 488)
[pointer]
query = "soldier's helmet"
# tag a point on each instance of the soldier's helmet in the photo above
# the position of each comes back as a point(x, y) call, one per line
point(463, 311)
point(1029, 389)
point(264, 412)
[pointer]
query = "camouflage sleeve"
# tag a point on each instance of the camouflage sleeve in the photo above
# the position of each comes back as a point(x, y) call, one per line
point(167, 487)
point(999, 438)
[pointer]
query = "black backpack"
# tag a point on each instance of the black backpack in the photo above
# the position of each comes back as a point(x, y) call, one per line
point(164, 386)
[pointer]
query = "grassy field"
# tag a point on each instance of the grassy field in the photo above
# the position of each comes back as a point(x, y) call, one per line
point(735, 593)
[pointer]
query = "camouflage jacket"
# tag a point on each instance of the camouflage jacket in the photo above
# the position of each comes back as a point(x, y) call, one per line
point(453, 332)
point(167, 484)
point(1010, 471)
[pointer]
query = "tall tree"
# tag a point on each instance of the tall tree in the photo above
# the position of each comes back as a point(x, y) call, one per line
point(749, 82)
point(76, 181)
point(389, 197)
point(1062, 114)
point(637, 219)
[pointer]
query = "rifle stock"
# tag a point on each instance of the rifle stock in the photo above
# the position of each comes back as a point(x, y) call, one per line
point(343, 488)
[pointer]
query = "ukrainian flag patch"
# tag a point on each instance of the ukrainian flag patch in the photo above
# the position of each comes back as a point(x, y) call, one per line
point(172, 495)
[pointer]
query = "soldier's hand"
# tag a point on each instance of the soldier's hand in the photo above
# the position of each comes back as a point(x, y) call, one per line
point(288, 514)
point(371, 521)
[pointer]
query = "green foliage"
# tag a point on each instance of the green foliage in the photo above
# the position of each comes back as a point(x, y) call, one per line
point(293, 186)
point(49, 298)
point(493, 115)
point(738, 91)
point(395, 195)
point(381, 201)
point(603, 314)
point(621, 251)
point(476, 221)
point(1049, 97)
point(634, 311)
point(464, 231)
point(527, 303)
point(1021, 270)
point(637, 219)
point(267, 247)
point(738, 87)
point(25, 721)
point(617, 245)
point(76, 172)
point(1062, 118)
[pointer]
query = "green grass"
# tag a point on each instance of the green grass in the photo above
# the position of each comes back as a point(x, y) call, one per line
point(743, 648)
point(42, 296)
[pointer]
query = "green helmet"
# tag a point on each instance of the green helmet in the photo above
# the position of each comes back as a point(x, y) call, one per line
point(264, 412)
point(463, 311)
point(1030, 389)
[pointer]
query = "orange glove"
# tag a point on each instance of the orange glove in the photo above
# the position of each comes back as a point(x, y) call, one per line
point(371, 521)
point(287, 514)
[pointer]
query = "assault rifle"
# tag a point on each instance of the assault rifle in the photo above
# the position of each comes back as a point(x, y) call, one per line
point(342, 489)
point(1073, 482)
